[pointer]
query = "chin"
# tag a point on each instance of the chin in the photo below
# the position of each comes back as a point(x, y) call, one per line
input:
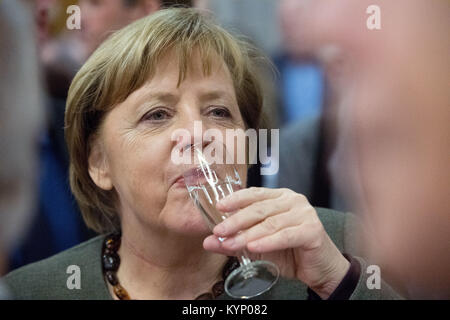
point(196, 229)
point(190, 229)
point(186, 219)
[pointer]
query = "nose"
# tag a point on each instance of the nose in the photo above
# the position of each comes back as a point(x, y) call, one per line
point(189, 129)
point(185, 139)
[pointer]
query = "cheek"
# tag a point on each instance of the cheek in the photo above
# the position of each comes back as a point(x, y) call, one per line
point(140, 184)
point(137, 166)
point(180, 214)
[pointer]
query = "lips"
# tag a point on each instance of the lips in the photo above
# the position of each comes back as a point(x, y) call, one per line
point(192, 176)
point(179, 181)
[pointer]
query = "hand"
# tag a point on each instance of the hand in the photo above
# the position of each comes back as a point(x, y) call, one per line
point(281, 226)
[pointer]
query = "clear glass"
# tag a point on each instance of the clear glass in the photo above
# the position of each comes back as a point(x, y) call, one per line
point(207, 182)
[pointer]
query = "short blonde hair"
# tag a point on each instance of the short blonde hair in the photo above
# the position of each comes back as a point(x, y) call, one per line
point(122, 64)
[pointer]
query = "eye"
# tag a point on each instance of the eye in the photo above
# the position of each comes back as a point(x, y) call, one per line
point(219, 112)
point(156, 115)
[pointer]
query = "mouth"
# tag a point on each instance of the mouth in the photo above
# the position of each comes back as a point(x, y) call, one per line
point(179, 183)
point(192, 176)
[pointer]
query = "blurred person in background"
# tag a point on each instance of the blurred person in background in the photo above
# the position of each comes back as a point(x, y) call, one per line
point(100, 18)
point(391, 113)
point(63, 50)
point(58, 223)
point(305, 144)
point(21, 118)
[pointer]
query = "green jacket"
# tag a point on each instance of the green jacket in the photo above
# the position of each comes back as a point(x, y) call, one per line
point(47, 279)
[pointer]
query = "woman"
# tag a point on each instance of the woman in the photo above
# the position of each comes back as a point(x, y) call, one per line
point(153, 77)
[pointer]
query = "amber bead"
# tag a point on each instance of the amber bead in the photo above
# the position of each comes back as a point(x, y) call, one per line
point(205, 296)
point(218, 289)
point(121, 293)
point(111, 262)
point(112, 244)
point(111, 277)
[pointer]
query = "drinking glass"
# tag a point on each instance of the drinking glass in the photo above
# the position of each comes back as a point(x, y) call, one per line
point(209, 181)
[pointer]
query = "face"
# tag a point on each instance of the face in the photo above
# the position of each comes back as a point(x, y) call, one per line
point(135, 144)
point(41, 11)
point(101, 17)
point(390, 98)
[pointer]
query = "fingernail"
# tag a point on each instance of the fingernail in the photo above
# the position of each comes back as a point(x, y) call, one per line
point(234, 243)
point(230, 243)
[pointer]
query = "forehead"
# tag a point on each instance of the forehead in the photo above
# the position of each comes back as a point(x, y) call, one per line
point(173, 73)
point(165, 84)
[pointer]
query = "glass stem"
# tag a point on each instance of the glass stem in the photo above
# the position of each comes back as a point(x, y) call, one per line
point(243, 258)
point(248, 270)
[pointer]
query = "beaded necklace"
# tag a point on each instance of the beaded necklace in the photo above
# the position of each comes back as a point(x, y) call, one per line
point(111, 263)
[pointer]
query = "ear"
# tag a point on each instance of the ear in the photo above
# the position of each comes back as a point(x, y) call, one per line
point(98, 166)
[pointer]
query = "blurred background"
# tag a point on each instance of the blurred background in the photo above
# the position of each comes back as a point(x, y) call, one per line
point(363, 113)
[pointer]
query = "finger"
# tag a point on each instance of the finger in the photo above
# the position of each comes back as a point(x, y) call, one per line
point(212, 243)
point(305, 236)
point(265, 228)
point(244, 197)
point(251, 215)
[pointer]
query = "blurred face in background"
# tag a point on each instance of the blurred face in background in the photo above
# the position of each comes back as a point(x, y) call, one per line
point(41, 10)
point(391, 102)
point(22, 119)
point(99, 18)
